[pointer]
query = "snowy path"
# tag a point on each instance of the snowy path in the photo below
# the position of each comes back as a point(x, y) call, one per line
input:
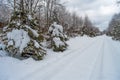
point(85, 59)
point(106, 67)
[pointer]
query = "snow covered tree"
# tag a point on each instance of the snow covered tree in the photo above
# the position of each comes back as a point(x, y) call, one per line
point(57, 37)
point(21, 36)
point(114, 27)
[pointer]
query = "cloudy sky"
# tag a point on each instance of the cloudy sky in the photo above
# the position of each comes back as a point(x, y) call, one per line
point(99, 11)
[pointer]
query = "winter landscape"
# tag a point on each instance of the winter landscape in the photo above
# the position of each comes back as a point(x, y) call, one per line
point(59, 40)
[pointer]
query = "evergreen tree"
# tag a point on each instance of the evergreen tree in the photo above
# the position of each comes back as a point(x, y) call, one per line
point(57, 37)
point(22, 37)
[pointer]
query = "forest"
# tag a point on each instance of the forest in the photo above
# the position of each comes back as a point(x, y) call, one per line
point(29, 27)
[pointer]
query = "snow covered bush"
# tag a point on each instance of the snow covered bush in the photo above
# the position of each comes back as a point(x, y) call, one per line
point(22, 38)
point(57, 37)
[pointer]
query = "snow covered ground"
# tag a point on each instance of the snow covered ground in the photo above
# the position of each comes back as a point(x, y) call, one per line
point(85, 59)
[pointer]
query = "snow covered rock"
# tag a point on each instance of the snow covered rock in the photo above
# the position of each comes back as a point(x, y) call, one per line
point(57, 37)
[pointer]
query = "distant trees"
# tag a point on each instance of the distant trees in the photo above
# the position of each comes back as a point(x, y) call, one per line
point(89, 29)
point(4, 13)
point(114, 27)
point(74, 25)
point(49, 11)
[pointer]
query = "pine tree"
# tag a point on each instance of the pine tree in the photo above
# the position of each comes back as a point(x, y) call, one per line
point(57, 37)
point(22, 36)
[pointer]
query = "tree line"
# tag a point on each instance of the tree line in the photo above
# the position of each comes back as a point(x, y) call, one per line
point(113, 29)
point(49, 11)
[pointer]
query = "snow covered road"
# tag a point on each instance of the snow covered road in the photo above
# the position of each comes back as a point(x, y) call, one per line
point(86, 59)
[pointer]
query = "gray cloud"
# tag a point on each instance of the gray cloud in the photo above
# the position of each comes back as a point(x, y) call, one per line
point(99, 11)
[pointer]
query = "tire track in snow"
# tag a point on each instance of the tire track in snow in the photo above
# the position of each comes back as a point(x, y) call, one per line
point(84, 54)
point(55, 60)
point(45, 71)
point(98, 64)
point(114, 70)
point(80, 53)
point(105, 69)
point(109, 68)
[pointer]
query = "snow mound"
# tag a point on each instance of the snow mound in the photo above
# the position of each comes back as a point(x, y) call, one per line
point(19, 38)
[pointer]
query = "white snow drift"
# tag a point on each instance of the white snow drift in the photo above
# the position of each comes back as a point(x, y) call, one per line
point(20, 37)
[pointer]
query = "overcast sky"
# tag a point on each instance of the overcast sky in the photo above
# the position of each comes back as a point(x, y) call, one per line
point(99, 11)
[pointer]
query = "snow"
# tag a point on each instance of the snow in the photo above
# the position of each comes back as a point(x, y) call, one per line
point(19, 38)
point(85, 59)
point(57, 41)
point(2, 52)
point(10, 42)
point(57, 29)
point(4, 28)
point(35, 33)
point(30, 17)
point(36, 44)
point(18, 24)
point(2, 46)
